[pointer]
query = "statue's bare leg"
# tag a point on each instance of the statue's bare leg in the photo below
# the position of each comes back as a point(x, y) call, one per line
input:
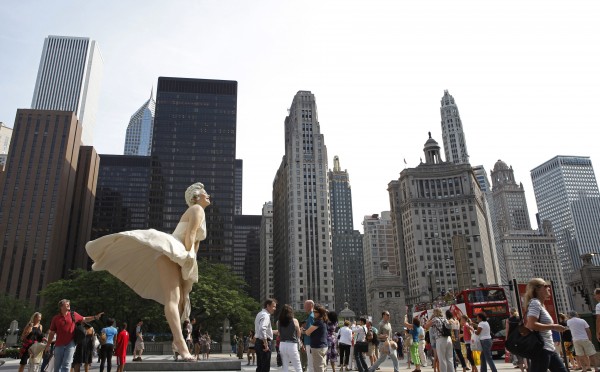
point(170, 279)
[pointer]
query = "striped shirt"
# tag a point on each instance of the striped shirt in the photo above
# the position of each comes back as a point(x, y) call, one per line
point(536, 310)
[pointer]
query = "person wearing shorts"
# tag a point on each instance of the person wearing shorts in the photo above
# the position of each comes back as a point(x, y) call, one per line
point(585, 352)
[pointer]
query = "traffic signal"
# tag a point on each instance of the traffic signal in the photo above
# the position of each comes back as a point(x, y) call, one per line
point(510, 285)
point(587, 300)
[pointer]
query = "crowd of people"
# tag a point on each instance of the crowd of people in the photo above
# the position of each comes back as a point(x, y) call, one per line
point(445, 341)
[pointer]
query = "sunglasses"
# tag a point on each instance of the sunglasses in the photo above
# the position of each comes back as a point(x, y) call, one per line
point(544, 285)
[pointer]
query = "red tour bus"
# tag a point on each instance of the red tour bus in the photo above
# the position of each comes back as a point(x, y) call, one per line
point(490, 300)
point(493, 302)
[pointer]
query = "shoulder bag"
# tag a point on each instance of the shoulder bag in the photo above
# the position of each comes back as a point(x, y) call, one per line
point(524, 342)
point(361, 346)
point(79, 332)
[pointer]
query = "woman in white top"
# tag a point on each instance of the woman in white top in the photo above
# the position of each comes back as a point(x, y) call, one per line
point(539, 320)
point(483, 331)
point(345, 343)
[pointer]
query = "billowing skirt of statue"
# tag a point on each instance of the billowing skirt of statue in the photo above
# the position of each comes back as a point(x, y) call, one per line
point(131, 255)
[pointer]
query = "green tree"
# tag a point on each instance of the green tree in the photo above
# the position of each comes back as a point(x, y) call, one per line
point(11, 309)
point(91, 292)
point(220, 294)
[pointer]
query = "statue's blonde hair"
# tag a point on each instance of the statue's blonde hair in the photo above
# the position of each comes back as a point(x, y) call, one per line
point(193, 191)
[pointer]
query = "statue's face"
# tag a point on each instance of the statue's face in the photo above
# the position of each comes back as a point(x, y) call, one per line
point(202, 199)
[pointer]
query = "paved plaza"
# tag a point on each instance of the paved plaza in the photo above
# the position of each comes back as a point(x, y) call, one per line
point(13, 364)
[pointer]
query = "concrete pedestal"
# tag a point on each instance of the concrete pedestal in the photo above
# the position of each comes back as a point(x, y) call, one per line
point(204, 365)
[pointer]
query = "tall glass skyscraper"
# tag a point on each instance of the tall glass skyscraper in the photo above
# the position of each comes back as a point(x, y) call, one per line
point(348, 263)
point(194, 141)
point(69, 79)
point(567, 194)
point(138, 139)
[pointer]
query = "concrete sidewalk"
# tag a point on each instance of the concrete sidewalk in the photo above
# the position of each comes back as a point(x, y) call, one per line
point(13, 364)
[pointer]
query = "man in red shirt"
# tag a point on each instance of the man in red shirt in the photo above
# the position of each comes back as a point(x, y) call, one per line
point(63, 326)
point(121, 347)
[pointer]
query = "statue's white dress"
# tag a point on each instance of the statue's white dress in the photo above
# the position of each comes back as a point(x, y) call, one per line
point(131, 256)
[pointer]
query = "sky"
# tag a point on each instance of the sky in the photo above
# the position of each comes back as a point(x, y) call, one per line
point(524, 75)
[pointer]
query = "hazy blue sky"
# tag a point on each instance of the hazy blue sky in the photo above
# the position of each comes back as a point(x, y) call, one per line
point(524, 75)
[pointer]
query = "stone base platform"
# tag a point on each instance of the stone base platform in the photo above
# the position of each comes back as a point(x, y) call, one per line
point(203, 365)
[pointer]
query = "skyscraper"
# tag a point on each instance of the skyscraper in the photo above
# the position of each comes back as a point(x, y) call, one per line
point(378, 251)
point(302, 255)
point(122, 194)
point(455, 145)
point(523, 253)
point(567, 194)
point(5, 135)
point(239, 183)
point(348, 264)
point(69, 79)
point(441, 227)
point(47, 195)
point(266, 252)
point(246, 252)
point(138, 139)
point(194, 141)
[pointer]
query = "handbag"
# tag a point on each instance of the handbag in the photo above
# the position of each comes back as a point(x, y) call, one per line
point(361, 346)
point(79, 332)
point(524, 342)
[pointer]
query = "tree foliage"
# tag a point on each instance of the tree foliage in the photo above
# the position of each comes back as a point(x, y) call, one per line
point(11, 309)
point(218, 295)
point(91, 292)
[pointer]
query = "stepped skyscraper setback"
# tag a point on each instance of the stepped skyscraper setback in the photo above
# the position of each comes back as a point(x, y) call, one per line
point(302, 253)
point(69, 79)
point(455, 145)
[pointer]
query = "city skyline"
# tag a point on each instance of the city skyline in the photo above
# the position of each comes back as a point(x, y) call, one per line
point(378, 81)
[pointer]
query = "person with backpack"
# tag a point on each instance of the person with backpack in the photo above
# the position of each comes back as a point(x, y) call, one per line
point(371, 338)
point(440, 333)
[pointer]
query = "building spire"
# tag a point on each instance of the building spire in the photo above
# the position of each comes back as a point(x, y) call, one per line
point(455, 145)
point(336, 164)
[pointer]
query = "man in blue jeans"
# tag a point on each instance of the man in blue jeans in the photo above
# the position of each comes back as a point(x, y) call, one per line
point(63, 326)
point(385, 338)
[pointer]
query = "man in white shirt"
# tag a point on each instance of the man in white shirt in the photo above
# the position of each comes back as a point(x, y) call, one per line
point(582, 340)
point(264, 335)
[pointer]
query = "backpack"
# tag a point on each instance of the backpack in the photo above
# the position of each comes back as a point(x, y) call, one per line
point(445, 331)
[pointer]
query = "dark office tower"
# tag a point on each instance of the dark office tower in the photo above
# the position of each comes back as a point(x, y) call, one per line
point(122, 194)
point(246, 252)
point(347, 244)
point(239, 173)
point(36, 200)
point(194, 141)
point(82, 210)
point(455, 145)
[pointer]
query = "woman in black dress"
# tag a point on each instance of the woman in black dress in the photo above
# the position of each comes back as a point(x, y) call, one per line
point(31, 334)
point(84, 350)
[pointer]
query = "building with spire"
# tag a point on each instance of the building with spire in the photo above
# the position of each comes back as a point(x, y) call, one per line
point(348, 264)
point(69, 79)
point(523, 253)
point(566, 192)
point(455, 145)
point(302, 249)
point(441, 228)
point(138, 139)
